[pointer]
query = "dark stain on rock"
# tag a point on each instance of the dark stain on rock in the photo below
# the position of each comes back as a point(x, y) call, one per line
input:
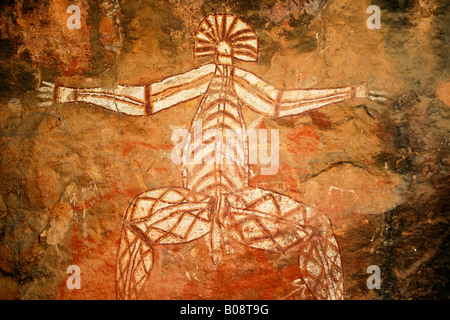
point(394, 5)
point(17, 75)
point(128, 13)
point(169, 23)
point(97, 55)
point(299, 35)
point(8, 49)
point(392, 236)
point(267, 48)
point(401, 138)
point(241, 7)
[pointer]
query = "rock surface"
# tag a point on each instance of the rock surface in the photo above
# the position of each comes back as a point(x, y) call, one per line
point(378, 170)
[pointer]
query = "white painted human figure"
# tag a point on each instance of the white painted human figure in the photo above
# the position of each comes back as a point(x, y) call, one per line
point(215, 201)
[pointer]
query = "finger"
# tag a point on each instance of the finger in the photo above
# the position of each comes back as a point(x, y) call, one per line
point(45, 104)
point(45, 89)
point(44, 96)
point(377, 93)
point(381, 99)
point(48, 83)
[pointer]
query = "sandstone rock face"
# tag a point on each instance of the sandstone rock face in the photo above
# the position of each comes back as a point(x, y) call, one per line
point(378, 170)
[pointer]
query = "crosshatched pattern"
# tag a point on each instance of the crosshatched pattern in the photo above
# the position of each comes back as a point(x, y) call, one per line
point(160, 216)
point(269, 221)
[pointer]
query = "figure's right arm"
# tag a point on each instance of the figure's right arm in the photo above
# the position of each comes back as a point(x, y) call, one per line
point(123, 99)
point(136, 100)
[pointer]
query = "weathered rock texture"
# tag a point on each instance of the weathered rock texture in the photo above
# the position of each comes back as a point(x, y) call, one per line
point(379, 171)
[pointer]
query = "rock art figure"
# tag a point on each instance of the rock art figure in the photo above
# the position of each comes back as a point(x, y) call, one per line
point(215, 200)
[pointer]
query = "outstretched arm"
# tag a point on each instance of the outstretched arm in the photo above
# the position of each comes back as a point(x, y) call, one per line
point(265, 99)
point(136, 100)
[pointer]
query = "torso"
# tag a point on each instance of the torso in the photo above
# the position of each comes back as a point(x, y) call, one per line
point(220, 111)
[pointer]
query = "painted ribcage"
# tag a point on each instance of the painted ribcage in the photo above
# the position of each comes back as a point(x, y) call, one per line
point(218, 163)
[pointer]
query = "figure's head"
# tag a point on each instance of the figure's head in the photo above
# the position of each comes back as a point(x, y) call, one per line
point(226, 37)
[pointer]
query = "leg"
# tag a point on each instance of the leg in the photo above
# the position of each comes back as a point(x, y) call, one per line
point(273, 222)
point(156, 217)
point(320, 261)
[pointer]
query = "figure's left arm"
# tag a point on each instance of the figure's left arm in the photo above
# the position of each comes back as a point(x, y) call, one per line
point(266, 99)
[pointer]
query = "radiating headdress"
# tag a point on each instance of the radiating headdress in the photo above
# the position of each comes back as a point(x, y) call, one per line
point(226, 37)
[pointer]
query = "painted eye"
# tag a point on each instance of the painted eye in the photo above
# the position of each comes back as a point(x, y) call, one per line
point(223, 47)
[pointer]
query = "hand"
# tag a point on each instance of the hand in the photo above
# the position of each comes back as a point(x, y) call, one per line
point(362, 92)
point(46, 94)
